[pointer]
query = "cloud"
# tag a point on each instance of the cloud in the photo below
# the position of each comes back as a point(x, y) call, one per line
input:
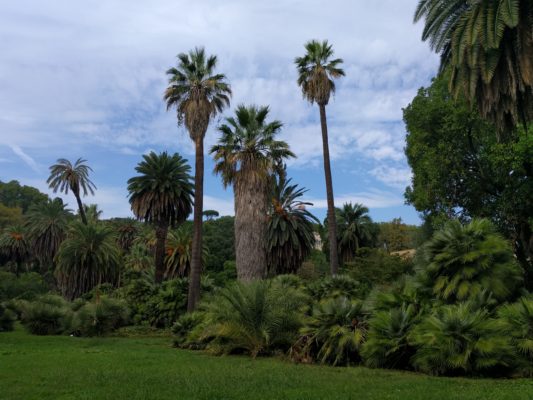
point(371, 199)
point(395, 177)
point(26, 158)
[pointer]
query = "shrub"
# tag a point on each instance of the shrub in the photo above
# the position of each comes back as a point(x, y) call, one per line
point(257, 318)
point(167, 304)
point(516, 322)
point(7, 319)
point(457, 339)
point(101, 317)
point(48, 315)
point(26, 286)
point(183, 327)
point(387, 345)
point(335, 331)
point(335, 286)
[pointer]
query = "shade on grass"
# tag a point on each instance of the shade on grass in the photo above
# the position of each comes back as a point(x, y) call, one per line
point(60, 367)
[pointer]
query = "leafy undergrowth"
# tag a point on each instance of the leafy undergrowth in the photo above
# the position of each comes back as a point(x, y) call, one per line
point(62, 367)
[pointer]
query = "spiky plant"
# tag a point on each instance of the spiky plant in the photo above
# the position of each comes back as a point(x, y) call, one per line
point(161, 194)
point(316, 73)
point(488, 45)
point(336, 330)
point(65, 176)
point(198, 94)
point(460, 261)
point(15, 246)
point(246, 155)
point(456, 339)
point(87, 257)
point(290, 233)
point(47, 227)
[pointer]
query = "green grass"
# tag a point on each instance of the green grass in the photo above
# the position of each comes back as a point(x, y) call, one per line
point(61, 367)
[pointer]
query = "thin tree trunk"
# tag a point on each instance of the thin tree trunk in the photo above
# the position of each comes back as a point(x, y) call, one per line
point(196, 256)
point(80, 207)
point(332, 222)
point(250, 229)
point(161, 231)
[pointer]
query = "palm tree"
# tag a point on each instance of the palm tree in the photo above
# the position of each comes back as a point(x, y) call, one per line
point(15, 246)
point(88, 257)
point(47, 225)
point(198, 95)
point(64, 176)
point(92, 212)
point(290, 233)
point(354, 229)
point(246, 155)
point(178, 248)
point(488, 45)
point(316, 71)
point(127, 230)
point(162, 194)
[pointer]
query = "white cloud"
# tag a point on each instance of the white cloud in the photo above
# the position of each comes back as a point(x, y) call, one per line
point(25, 157)
point(371, 199)
point(398, 178)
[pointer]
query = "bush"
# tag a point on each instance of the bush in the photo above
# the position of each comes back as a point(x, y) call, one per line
point(101, 317)
point(456, 339)
point(388, 345)
point(26, 286)
point(183, 327)
point(256, 319)
point(167, 304)
point(48, 315)
point(7, 319)
point(335, 286)
point(335, 331)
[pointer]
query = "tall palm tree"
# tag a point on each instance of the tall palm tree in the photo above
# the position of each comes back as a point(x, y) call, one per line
point(354, 228)
point(198, 94)
point(64, 176)
point(316, 72)
point(15, 246)
point(88, 257)
point(47, 225)
point(290, 233)
point(246, 156)
point(162, 194)
point(488, 45)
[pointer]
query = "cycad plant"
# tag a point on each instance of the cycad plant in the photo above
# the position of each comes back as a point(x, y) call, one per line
point(290, 231)
point(246, 155)
point(456, 339)
point(488, 45)
point(460, 261)
point(89, 256)
point(336, 330)
point(65, 176)
point(316, 73)
point(198, 94)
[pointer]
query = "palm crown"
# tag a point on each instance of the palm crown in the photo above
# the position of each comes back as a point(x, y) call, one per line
point(316, 71)
point(64, 176)
point(196, 91)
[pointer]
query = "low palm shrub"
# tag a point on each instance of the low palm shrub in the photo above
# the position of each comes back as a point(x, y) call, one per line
point(457, 339)
point(101, 317)
point(47, 315)
point(335, 331)
point(257, 318)
point(7, 319)
point(26, 286)
point(183, 329)
point(333, 287)
point(388, 344)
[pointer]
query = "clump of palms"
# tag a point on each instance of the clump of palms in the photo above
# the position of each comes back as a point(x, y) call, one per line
point(101, 317)
point(162, 195)
point(127, 230)
point(87, 258)
point(290, 232)
point(198, 94)
point(354, 229)
point(178, 253)
point(139, 259)
point(246, 155)
point(65, 176)
point(336, 331)
point(47, 315)
point(460, 261)
point(335, 286)
point(15, 246)
point(316, 73)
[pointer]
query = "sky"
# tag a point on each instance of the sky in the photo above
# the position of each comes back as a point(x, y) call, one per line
point(86, 79)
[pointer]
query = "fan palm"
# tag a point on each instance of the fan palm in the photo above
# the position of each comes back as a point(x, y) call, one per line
point(162, 194)
point(198, 94)
point(47, 227)
point(488, 45)
point(316, 72)
point(139, 259)
point(290, 233)
point(65, 176)
point(15, 246)
point(246, 155)
point(459, 262)
point(89, 256)
point(354, 228)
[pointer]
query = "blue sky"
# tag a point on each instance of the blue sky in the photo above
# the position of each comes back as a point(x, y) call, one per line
point(85, 79)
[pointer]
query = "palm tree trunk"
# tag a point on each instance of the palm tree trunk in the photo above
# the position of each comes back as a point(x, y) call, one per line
point(332, 222)
point(250, 228)
point(80, 207)
point(196, 256)
point(161, 231)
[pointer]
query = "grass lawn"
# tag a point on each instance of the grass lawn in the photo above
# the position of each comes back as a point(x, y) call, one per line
point(60, 367)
